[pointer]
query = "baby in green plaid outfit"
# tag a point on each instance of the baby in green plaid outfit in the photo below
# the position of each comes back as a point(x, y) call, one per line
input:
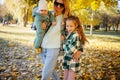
point(73, 41)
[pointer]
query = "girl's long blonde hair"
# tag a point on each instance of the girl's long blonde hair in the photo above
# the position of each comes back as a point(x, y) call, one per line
point(79, 28)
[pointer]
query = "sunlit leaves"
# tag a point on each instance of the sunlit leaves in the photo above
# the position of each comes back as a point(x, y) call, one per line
point(16, 8)
point(95, 4)
point(19, 10)
point(3, 10)
point(109, 3)
point(10, 44)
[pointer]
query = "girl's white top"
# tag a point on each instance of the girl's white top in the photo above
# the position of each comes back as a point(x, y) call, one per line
point(52, 38)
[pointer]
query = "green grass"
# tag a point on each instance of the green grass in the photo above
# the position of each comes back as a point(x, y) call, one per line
point(106, 33)
point(17, 34)
point(104, 40)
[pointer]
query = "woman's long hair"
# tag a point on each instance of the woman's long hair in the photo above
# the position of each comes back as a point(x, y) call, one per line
point(66, 12)
point(79, 28)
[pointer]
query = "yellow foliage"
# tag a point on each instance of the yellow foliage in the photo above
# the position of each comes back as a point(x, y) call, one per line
point(95, 5)
point(109, 3)
point(37, 77)
point(31, 59)
point(40, 65)
point(10, 45)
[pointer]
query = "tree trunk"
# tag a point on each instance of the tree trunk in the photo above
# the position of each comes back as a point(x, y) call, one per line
point(25, 18)
point(116, 28)
point(91, 29)
point(91, 26)
point(106, 27)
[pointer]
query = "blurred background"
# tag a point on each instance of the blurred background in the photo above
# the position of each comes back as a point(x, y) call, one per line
point(96, 14)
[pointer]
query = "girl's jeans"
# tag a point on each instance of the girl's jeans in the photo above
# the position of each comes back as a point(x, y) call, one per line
point(49, 59)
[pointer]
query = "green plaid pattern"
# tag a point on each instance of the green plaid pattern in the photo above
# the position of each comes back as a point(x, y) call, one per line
point(71, 46)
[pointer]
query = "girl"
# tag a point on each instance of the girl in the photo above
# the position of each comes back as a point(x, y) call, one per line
point(73, 42)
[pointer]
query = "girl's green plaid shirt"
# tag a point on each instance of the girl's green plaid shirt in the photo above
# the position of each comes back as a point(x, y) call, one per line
point(72, 43)
point(71, 46)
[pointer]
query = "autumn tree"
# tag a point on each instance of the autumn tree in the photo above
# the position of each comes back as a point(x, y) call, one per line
point(105, 20)
point(3, 10)
point(22, 9)
point(115, 21)
point(89, 17)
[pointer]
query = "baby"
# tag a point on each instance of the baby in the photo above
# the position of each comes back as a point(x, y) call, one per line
point(41, 15)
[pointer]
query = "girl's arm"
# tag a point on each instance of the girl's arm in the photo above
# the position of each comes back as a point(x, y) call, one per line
point(76, 56)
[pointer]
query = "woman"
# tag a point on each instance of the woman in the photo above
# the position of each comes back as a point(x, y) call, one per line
point(51, 41)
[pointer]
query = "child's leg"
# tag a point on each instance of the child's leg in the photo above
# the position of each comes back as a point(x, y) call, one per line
point(66, 74)
point(71, 75)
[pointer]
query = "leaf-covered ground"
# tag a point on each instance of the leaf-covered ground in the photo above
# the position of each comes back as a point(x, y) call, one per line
point(18, 61)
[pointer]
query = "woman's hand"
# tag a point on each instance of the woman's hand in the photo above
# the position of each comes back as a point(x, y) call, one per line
point(53, 23)
point(63, 38)
point(76, 56)
point(44, 25)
